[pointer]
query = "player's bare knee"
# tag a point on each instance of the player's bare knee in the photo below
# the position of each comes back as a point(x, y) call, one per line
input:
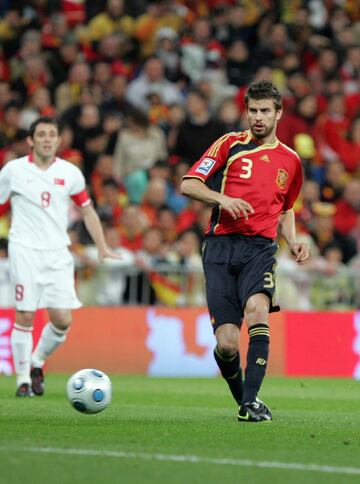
point(257, 310)
point(227, 338)
point(256, 316)
point(227, 348)
point(25, 318)
point(61, 319)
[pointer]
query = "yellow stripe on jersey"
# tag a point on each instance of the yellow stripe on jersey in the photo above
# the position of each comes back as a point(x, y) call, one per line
point(217, 145)
point(266, 146)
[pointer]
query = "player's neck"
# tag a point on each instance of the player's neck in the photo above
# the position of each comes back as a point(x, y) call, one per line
point(41, 162)
point(267, 140)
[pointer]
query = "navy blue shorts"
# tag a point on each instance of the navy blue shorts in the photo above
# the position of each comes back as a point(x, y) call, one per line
point(236, 267)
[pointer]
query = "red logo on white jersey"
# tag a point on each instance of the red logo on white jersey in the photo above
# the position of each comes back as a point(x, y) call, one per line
point(59, 181)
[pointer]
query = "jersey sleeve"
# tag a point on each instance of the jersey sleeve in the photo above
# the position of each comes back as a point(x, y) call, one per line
point(5, 185)
point(294, 188)
point(78, 192)
point(211, 161)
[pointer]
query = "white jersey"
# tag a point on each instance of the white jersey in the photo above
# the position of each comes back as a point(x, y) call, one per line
point(40, 201)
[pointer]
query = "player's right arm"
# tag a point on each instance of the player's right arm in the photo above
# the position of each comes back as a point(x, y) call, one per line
point(215, 158)
point(236, 207)
point(5, 186)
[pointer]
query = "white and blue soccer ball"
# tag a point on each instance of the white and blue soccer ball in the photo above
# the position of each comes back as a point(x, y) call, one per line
point(89, 390)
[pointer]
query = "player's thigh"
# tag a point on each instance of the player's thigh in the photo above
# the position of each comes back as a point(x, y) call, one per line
point(25, 273)
point(221, 285)
point(257, 277)
point(59, 282)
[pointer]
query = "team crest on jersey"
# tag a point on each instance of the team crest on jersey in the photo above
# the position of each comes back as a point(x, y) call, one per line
point(59, 181)
point(281, 180)
point(205, 166)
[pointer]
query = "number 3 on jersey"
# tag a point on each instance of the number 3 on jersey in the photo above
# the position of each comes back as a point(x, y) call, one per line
point(246, 168)
point(45, 199)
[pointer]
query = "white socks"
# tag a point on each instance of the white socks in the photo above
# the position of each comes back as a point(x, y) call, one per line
point(21, 345)
point(51, 338)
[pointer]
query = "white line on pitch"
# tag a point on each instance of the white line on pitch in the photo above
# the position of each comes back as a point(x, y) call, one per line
point(195, 459)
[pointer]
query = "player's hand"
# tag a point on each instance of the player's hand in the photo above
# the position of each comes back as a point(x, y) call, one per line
point(236, 207)
point(301, 251)
point(107, 252)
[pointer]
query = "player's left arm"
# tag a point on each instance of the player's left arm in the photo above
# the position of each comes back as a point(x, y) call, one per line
point(288, 230)
point(287, 226)
point(93, 225)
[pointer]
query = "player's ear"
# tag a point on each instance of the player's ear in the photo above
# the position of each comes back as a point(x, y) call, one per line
point(279, 114)
point(30, 141)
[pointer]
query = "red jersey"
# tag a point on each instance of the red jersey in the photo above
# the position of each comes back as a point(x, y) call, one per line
point(267, 176)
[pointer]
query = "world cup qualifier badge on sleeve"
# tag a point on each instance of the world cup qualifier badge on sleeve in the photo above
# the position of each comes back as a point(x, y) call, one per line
point(205, 166)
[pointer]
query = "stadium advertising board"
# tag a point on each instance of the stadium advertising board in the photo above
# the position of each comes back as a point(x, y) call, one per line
point(179, 342)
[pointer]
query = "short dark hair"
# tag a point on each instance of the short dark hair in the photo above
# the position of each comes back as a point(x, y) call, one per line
point(263, 90)
point(45, 120)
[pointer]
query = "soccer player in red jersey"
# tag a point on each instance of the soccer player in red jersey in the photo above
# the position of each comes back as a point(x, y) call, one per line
point(253, 180)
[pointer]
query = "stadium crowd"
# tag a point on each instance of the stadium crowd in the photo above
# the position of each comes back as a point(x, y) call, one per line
point(142, 88)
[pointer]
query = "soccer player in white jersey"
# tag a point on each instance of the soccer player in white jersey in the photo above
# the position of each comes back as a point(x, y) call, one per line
point(41, 188)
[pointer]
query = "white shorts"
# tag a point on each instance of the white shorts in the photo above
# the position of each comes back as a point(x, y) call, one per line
point(42, 279)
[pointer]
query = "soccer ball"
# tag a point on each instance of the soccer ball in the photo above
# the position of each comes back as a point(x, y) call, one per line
point(89, 390)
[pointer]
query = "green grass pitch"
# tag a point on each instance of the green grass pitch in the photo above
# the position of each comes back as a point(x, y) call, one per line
point(182, 431)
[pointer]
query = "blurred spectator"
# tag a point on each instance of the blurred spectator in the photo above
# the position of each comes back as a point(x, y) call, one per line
point(114, 100)
point(146, 286)
point(346, 144)
point(186, 253)
point(30, 46)
point(139, 146)
point(10, 123)
point(198, 130)
point(333, 182)
point(159, 14)
point(90, 137)
point(68, 93)
point(154, 198)
point(336, 290)
point(103, 170)
point(39, 104)
point(240, 66)
point(300, 120)
point(54, 30)
point(324, 232)
point(166, 221)
point(152, 79)
point(229, 115)
point(65, 148)
point(175, 200)
point(107, 283)
point(35, 76)
point(309, 197)
point(274, 46)
point(199, 51)
point(160, 169)
point(347, 217)
point(11, 28)
point(111, 202)
point(175, 118)
point(61, 60)
point(133, 224)
point(112, 20)
point(167, 50)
